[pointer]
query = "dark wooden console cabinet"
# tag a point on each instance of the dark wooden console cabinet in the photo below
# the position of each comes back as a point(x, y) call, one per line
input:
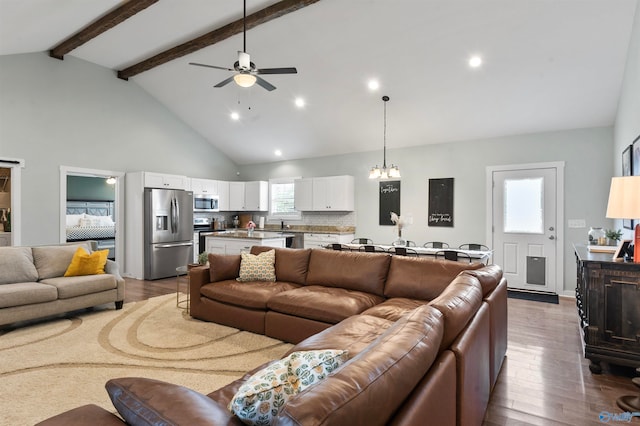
point(608, 301)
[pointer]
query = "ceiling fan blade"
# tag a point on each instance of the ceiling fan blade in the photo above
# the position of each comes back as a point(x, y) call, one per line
point(244, 60)
point(225, 82)
point(211, 66)
point(290, 70)
point(265, 84)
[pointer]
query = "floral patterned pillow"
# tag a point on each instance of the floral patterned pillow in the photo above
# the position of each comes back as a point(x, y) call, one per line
point(263, 396)
point(261, 267)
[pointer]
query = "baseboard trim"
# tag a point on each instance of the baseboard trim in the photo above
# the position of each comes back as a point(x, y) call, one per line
point(537, 296)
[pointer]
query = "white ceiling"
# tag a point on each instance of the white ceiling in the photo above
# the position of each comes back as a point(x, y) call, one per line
point(547, 65)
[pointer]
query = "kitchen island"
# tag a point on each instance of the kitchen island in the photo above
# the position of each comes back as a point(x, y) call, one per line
point(238, 241)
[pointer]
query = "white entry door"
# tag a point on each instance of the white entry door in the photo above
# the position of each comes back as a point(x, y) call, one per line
point(524, 224)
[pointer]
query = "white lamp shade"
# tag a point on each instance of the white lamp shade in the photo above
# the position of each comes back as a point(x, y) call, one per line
point(624, 198)
point(244, 80)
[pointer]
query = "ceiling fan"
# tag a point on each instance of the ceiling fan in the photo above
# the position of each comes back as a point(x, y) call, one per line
point(246, 72)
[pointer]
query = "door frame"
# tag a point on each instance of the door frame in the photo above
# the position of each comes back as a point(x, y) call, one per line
point(78, 171)
point(559, 166)
point(16, 165)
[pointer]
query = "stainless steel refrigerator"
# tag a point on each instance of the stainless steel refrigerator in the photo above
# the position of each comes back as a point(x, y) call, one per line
point(168, 231)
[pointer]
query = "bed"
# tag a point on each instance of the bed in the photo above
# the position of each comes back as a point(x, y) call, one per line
point(92, 220)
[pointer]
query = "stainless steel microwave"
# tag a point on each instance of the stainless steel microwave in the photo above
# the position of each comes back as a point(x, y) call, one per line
point(205, 203)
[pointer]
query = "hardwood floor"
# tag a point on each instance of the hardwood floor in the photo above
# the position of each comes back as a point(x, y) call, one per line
point(544, 380)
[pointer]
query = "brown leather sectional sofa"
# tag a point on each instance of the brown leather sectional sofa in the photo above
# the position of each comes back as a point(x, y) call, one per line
point(426, 338)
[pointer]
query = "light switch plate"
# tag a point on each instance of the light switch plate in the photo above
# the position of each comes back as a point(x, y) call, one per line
point(577, 223)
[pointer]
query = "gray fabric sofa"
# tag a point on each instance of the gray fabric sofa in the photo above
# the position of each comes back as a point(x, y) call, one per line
point(33, 285)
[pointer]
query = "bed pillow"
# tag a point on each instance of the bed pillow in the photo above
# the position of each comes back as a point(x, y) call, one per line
point(74, 219)
point(84, 263)
point(261, 267)
point(264, 395)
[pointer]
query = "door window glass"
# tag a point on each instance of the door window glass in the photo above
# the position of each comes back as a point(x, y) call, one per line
point(523, 205)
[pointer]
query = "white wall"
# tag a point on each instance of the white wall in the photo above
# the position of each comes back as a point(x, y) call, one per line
point(627, 126)
point(587, 154)
point(73, 113)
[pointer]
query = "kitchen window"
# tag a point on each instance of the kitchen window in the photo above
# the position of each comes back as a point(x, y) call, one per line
point(281, 199)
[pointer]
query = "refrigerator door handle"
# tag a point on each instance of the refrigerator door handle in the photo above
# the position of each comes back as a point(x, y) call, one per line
point(173, 215)
point(177, 215)
point(173, 245)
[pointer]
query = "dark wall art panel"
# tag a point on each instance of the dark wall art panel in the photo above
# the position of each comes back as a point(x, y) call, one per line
point(389, 201)
point(440, 202)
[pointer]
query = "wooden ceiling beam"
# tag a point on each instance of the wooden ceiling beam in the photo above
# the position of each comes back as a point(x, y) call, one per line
point(105, 23)
point(260, 17)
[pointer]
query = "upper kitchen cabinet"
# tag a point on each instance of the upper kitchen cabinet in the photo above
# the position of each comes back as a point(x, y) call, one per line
point(223, 196)
point(249, 196)
point(161, 180)
point(204, 186)
point(303, 194)
point(333, 193)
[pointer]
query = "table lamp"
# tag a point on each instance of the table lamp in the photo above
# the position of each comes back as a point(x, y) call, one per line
point(624, 203)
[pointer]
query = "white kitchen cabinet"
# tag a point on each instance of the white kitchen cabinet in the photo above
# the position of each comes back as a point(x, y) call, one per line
point(249, 196)
point(333, 193)
point(236, 196)
point(303, 194)
point(223, 196)
point(204, 186)
point(256, 196)
point(160, 180)
point(320, 240)
point(239, 245)
point(215, 245)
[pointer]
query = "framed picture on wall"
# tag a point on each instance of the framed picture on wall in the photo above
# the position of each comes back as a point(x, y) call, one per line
point(631, 155)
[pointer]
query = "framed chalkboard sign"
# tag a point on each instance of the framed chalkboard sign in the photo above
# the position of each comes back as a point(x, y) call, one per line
point(389, 201)
point(440, 202)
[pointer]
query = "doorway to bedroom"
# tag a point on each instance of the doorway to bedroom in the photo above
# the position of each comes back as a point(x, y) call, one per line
point(91, 208)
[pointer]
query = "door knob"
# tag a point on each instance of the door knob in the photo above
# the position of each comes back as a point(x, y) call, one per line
point(552, 237)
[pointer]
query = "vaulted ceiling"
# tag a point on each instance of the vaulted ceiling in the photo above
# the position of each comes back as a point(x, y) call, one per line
point(546, 65)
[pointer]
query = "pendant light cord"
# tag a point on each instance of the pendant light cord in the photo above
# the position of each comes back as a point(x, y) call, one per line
point(384, 137)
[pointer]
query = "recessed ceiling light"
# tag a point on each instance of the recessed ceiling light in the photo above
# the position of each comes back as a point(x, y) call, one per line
point(278, 153)
point(235, 116)
point(475, 61)
point(299, 102)
point(373, 85)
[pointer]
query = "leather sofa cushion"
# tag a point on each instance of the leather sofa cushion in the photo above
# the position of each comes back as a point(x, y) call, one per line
point(458, 303)
point(327, 304)
point(223, 267)
point(370, 387)
point(420, 277)
point(353, 335)
point(16, 264)
point(489, 277)
point(142, 401)
point(252, 294)
point(291, 264)
point(365, 272)
point(393, 309)
point(84, 415)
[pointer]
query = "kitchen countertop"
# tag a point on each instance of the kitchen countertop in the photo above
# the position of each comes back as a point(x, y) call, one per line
point(257, 235)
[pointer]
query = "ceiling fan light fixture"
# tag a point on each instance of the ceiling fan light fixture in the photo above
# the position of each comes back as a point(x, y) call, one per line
point(244, 80)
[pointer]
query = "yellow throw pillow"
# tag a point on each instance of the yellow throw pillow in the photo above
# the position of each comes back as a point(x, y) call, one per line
point(261, 267)
point(84, 263)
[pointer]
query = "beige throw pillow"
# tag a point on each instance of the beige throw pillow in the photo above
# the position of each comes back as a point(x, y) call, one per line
point(258, 268)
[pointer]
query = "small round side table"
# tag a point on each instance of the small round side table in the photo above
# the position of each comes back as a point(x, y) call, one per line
point(182, 277)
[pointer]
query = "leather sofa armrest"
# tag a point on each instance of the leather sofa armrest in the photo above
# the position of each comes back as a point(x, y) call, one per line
point(198, 277)
point(148, 401)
